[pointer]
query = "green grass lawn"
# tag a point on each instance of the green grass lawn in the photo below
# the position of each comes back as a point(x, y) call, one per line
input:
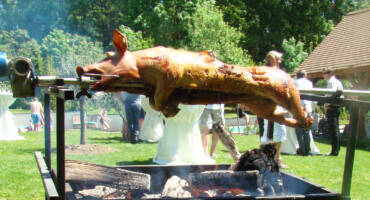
point(20, 179)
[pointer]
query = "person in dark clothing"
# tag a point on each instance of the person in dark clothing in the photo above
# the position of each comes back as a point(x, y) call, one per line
point(261, 126)
point(133, 115)
point(333, 112)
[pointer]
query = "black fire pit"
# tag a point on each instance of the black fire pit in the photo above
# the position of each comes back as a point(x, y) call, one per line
point(294, 187)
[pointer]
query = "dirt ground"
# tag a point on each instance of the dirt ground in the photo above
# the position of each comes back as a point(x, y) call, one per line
point(88, 149)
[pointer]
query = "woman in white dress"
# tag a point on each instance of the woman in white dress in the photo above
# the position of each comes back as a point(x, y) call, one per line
point(181, 141)
point(152, 128)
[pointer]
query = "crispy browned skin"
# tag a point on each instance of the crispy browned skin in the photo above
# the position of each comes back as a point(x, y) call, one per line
point(170, 77)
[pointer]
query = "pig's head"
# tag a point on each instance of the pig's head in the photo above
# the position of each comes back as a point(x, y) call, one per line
point(119, 68)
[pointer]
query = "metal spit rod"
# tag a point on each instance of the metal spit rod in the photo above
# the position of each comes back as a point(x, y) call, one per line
point(322, 91)
point(45, 81)
point(88, 80)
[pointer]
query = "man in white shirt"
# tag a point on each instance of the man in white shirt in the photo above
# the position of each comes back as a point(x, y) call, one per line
point(333, 112)
point(303, 136)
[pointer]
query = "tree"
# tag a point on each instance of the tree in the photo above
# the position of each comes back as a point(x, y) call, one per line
point(98, 19)
point(293, 54)
point(69, 51)
point(168, 22)
point(38, 17)
point(135, 40)
point(208, 31)
point(18, 43)
point(266, 23)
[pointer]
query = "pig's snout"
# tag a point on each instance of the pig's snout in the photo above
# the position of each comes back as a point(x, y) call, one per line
point(80, 70)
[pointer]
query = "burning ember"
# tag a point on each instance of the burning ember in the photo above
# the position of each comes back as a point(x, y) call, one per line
point(255, 174)
point(263, 160)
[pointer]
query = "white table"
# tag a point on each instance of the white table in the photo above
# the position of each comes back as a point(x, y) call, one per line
point(8, 129)
point(181, 142)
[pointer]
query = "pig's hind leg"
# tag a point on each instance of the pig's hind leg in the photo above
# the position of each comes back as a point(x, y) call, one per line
point(267, 109)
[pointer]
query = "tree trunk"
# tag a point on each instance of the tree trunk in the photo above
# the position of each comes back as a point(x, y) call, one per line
point(82, 119)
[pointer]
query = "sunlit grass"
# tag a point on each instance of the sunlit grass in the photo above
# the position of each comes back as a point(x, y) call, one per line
point(20, 179)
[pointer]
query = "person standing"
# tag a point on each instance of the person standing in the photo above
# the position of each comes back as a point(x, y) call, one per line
point(332, 112)
point(303, 136)
point(104, 119)
point(36, 113)
point(212, 114)
point(273, 59)
point(134, 114)
point(273, 131)
point(242, 114)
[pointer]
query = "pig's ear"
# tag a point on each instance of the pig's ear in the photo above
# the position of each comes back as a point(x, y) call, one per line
point(120, 42)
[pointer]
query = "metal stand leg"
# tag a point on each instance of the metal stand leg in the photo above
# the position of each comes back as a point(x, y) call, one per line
point(350, 154)
point(60, 148)
point(47, 131)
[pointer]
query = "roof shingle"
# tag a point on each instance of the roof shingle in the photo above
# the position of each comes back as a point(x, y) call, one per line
point(346, 47)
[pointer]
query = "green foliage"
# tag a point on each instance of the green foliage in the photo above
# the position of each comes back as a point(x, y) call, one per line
point(135, 40)
point(38, 17)
point(5, 86)
point(168, 22)
point(208, 31)
point(266, 23)
point(19, 43)
point(321, 84)
point(98, 19)
point(66, 51)
point(293, 54)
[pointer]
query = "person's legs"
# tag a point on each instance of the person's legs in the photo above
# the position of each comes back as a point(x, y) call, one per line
point(105, 125)
point(36, 121)
point(133, 115)
point(302, 139)
point(217, 116)
point(278, 156)
point(142, 116)
point(205, 138)
point(333, 124)
point(260, 126)
point(213, 144)
point(307, 142)
point(205, 124)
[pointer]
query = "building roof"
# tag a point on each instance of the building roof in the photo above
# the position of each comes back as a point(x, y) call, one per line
point(346, 49)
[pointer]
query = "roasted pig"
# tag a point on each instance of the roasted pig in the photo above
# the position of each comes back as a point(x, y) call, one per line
point(169, 77)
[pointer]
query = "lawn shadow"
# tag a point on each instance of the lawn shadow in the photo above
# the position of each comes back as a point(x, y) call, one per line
point(362, 144)
point(136, 162)
point(31, 150)
point(107, 140)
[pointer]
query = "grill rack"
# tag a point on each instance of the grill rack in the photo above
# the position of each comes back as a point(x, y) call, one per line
point(58, 190)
